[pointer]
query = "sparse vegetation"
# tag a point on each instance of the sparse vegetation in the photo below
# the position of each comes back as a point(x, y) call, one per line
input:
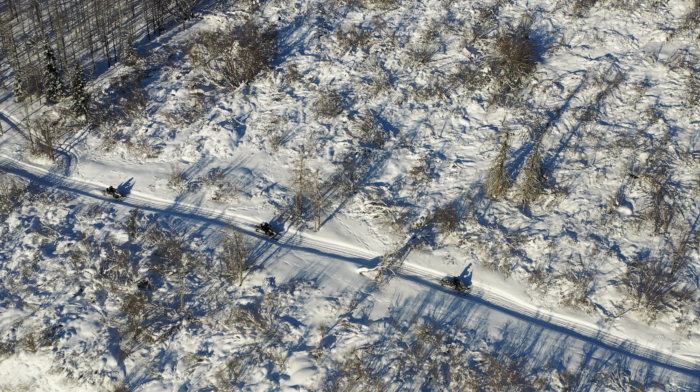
point(11, 194)
point(176, 177)
point(498, 180)
point(514, 62)
point(236, 256)
point(369, 132)
point(235, 55)
point(534, 179)
point(330, 104)
point(378, 121)
point(657, 284)
point(448, 217)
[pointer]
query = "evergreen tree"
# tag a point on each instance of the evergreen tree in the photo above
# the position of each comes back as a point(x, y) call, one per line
point(77, 89)
point(53, 85)
point(18, 87)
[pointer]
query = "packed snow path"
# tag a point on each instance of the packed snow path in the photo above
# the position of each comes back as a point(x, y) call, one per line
point(307, 242)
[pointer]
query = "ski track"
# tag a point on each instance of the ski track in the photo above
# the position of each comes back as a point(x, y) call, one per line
point(305, 242)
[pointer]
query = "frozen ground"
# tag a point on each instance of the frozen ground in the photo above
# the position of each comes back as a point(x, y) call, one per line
point(610, 112)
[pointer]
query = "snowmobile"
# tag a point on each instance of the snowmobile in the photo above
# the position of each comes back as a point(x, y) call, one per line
point(112, 191)
point(267, 229)
point(455, 284)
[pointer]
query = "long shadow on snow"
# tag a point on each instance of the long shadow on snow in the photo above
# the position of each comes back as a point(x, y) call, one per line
point(186, 212)
point(627, 348)
point(533, 341)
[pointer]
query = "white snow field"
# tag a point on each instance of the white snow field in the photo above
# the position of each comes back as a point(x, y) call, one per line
point(545, 153)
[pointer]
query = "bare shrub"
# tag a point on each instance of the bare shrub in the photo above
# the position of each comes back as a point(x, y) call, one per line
point(655, 285)
point(580, 281)
point(236, 255)
point(188, 112)
point(661, 209)
point(300, 173)
point(369, 132)
point(260, 316)
point(515, 61)
point(48, 132)
point(436, 87)
point(125, 101)
point(611, 80)
point(448, 217)
point(353, 167)
point(277, 132)
point(7, 349)
point(486, 20)
point(115, 263)
point(470, 75)
point(381, 4)
point(582, 7)
point(293, 74)
point(422, 53)
point(235, 55)
point(504, 370)
point(355, 37)
point(619, 379)
point(381, 79)
point(616, 199)
point(11, 194)
point(223, 190)
point(132, 224)
point(357, 372)
point(395, 218)
point(120, 387)
point(534, 178)
point(423, 171)
point(29, 343)
point(692, 87)
point(691, 21)
point(110, 137)
point(135, 308)
point(140, 146)
point(169, 248)
point(498, 180)
point(330, 104)
point(176, 177)
point(231, 374)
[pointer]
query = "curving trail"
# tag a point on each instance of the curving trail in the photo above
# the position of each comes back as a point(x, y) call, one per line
point(307, 242)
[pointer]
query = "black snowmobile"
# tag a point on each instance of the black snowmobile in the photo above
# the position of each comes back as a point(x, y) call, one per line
point(112, 191)
point(267, 229)
point(455, 284)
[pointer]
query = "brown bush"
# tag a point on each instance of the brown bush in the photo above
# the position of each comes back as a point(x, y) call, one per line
point(236, 55)
point(330, 104)
point(448, 217)
point(499, 180)
point(369, 132)
point(11, 194)
point(657, 284)
point(236, 255)
point(515, 61)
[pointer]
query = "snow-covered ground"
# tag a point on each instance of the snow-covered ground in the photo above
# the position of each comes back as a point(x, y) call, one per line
point(609, 112)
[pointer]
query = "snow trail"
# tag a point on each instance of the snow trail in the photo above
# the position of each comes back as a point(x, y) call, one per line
point(306, 242)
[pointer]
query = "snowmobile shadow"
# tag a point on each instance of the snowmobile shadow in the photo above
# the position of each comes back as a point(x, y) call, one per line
point(466, 275)
point(125, 187)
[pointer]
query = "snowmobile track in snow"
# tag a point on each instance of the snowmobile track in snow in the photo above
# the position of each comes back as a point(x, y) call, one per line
point(305, 242)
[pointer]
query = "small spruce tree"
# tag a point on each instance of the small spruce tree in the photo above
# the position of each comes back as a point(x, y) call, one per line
point(53, 85)
point(77, 89)
point(19, 90)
